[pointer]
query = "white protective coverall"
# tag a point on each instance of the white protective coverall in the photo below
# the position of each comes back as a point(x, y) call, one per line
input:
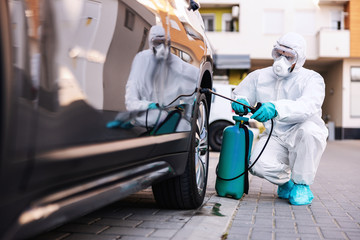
point(159, 81)
point(299, 134)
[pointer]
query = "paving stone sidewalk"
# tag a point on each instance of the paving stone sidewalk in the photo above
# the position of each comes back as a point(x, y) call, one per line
point(334, 213)
point(138, 217)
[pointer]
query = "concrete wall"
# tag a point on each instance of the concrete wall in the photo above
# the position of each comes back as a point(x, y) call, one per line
point(333, 93)
point(337, 102)
point(331, 59)
point(331, 43)
point(302, 16)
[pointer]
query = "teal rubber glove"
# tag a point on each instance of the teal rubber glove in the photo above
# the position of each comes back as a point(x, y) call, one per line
point(119, 124)
point(153, 106)
point(238, 108)
point(266, 112)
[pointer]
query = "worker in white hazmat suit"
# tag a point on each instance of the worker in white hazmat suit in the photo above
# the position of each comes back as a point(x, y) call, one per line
point(156, 79)
point(292, 96)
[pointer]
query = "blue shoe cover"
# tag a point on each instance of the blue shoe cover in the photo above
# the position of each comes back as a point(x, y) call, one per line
point(285, 189)
point(301, 195)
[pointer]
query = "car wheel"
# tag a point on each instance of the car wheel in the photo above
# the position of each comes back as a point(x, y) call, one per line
point(216, 134)
point(187, 191)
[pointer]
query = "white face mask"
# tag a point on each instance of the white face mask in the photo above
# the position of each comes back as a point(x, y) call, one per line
point(161, 52)
point(282, 67)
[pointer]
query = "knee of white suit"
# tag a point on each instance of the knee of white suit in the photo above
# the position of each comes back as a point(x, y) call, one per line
point(296, 154)
point(305, 151)
point(275, 173)
point(308, 132)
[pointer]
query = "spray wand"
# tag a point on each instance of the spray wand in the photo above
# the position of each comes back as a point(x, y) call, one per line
point(252, 109)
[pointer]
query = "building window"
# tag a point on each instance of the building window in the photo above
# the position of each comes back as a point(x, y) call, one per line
point(273, 22)
point(209, 22)
point(228, 24)
point(181, 54)
point(337, 20)
point(129, 19)
point(355, 92)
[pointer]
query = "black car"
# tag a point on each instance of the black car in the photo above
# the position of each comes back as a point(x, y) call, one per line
point(100, 99)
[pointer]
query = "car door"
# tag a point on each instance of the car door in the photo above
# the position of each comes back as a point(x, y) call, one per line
point(87, 93)
point(17, 103)
point(86, 52)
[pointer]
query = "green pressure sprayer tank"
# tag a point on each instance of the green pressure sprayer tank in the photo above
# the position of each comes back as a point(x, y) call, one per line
point(232, 169)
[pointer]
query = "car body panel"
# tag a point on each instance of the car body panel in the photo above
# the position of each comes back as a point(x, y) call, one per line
point(65, 67)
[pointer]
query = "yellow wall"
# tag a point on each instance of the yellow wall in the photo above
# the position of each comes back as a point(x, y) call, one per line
point(218, 12)
point(236, 76)
point(354, 25)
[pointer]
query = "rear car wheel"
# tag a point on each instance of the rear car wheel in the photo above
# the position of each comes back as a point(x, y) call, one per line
point(216, 134)
point(187, 191)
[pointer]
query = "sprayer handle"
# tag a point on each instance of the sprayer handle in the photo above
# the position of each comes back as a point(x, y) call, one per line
point(257, 106)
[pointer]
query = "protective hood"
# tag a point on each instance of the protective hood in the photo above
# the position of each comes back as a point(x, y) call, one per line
point(296, 42)
point(156, 32)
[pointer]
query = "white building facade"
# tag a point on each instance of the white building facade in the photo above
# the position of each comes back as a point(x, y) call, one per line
point(243, 32)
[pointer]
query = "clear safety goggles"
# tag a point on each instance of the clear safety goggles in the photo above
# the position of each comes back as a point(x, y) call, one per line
point(288, 53)
point(156, 41)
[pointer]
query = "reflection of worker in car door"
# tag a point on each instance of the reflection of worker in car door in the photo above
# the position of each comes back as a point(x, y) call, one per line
point(149, 71)
point(157, 77)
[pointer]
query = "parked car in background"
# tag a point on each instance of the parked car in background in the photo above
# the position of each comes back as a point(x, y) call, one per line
point(221, 115)
point(95, 108)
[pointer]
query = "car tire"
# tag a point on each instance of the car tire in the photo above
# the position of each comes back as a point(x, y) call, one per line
point(187, 191)
point(216, 134)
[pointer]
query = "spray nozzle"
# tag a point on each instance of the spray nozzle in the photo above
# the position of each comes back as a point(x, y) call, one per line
point(204, 90)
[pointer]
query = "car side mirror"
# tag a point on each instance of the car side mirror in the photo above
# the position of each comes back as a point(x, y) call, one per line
point(193, 6)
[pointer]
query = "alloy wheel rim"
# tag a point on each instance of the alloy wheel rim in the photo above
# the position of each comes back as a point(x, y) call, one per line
point(201, 149)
